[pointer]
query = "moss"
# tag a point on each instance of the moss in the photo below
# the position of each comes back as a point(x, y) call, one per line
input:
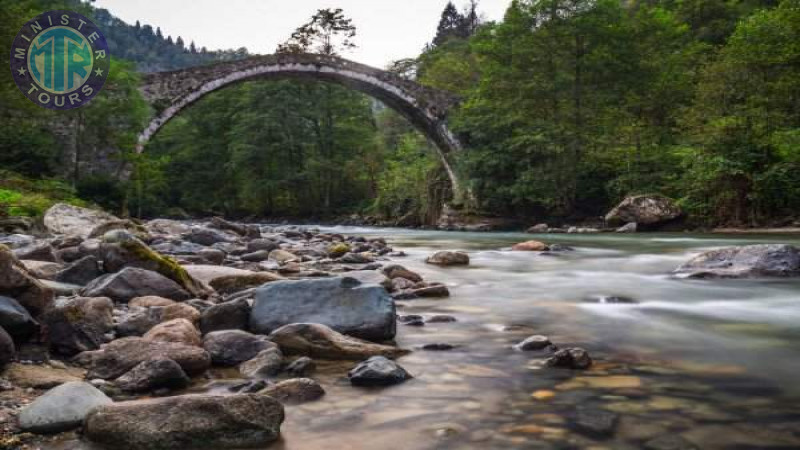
point(21, 196)
point(164, 265)
point(338, 249)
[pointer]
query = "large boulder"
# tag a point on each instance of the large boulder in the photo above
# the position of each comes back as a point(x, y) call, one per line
point(132, 282)
point(344, 304)
point(18, 283)
point(190, 421)
point(763, 260)
point(644, 210)
point(74, 220)
point(79, 324)
point(153, 374)
point(319, 341)
point(121, 249)
point(232, 347)
point(7, 349)
point(15, 319)
point(119, 356)
point(62, 408)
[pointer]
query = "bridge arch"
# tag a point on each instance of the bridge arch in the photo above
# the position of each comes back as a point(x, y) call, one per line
point(169, 93)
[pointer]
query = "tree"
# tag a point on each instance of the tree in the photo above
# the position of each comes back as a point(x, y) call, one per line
point(328, 33)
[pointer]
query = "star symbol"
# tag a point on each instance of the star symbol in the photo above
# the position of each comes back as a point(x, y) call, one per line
point(98, 72)
point(21, 71)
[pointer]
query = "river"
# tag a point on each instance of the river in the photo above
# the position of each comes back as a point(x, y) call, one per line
point(709, 362)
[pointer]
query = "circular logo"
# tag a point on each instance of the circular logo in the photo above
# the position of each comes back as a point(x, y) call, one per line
point(60, 60)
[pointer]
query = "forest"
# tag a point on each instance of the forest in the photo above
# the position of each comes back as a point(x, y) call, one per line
point(567, 106)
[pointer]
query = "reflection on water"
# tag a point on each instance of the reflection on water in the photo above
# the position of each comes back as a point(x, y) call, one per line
point(707, 364)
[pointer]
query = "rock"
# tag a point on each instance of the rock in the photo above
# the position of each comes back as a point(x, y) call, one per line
point(261, 245)
point(42, 270)
point(16, 320)
point(212, 255)
point(319, 341)
point(124, 225)
point(445, 258)
point(301, 367)
point(150, 301)
point(267, 363)
point(402, 284)
point(282, 256)
point(645, 210)
point(344, 304)
point(561, 248)
point(15, 241)
point(74, 220)
point(61, 289)
point(7, 349)
point(180, 311)
point(188, 421)
point(669, 442)
point(121, 249)
point(222, 224)
point(166, 227)
point(373, 277)
point(132, 282)
point(41, 251)
point(438, 347)
point(233, 315)
point(138, 321)
point(611, 299)
point(79, 324)
point(628, 228)
point(538, 228)
point(80, 272)
point(571, 358)
point(533, 343)
point(62, 408)
point(235, 283)
point(295, 391)
point(41, 376)
point(18, 283)
point(258, 256)
point(763, 260)
point(119, 356)
point(530, 246)
point(156, 373)
point(207, 236)
point(395, 271)
point(338, 249)
point(180, 331)
point(377, 371)
point(432, 291)
point(597, 423)
point(440, 318)
point(357, 258)
point(232, 347)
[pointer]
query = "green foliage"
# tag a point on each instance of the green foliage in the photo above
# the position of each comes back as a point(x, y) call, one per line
point(23, 196)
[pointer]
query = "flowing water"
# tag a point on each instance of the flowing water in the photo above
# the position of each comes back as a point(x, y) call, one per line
point(695, 363)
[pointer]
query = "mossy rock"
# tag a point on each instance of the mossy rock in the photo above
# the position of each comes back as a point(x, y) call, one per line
point(338, 249)
point(138, 254)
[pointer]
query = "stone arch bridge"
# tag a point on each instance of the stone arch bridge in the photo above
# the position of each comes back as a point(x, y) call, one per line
point(426, 108)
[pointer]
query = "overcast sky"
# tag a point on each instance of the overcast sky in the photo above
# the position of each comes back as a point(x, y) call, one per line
point(387, 29)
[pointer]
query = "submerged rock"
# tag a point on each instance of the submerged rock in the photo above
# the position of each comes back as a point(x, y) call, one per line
point(344, 304)
point(570, 358)
point(320, 341)
point(378, 371)
point(763, 260)
point(62, 408)
point(295, 391)
point(189, 421)
point(532, 343)
point(596, 422)
point(530, 246)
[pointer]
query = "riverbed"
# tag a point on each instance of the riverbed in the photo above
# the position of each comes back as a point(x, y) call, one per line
point(709, 363)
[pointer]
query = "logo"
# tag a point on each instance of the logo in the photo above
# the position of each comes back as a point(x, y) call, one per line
point(60, 60)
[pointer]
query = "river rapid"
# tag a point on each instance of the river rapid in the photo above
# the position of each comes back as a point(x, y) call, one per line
point(695, 363)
